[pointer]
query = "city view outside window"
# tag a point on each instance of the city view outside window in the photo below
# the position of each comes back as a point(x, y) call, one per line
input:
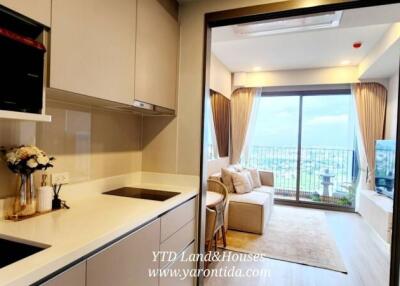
point(308, 141)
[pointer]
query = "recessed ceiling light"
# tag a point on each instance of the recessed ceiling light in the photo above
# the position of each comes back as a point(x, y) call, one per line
point(256, 69)
point(293, 24)
point(345, 63)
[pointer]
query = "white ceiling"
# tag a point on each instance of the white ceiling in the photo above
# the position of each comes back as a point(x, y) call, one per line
point(387, 65)
point(312, 49)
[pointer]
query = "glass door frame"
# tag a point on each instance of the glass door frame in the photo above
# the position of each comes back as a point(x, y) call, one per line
point(301, 94)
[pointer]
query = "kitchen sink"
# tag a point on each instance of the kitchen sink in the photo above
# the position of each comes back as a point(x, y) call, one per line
point(139, 193)
point(11, 251)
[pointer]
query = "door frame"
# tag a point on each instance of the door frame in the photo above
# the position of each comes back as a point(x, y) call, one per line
point(274, 11)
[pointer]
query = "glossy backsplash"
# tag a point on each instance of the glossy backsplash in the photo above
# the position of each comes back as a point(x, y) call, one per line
point(88, 143)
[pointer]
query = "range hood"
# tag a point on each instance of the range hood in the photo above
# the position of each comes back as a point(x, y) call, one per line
point(147, 109)
point(143, 108)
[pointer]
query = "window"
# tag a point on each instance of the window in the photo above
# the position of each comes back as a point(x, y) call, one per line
point(308, 140)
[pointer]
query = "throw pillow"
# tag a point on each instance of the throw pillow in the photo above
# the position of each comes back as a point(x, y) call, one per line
point(248, 174)
point(226, 176)
point(255, 177)
point(241, 182)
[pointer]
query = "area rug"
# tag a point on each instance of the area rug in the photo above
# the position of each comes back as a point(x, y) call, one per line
point(293, 234)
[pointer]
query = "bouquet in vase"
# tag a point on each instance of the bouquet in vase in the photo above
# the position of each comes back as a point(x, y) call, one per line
point(24, 161)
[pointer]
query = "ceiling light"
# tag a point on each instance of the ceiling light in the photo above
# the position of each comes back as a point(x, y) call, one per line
point(345, 63)
point(294, 24)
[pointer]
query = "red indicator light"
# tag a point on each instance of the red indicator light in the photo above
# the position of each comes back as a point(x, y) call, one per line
point(357, 45)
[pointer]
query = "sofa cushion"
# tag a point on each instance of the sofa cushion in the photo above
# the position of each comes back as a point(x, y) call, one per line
point(266, 178)
point(249, 212)
point(255, 177)
point(242, 182)
point(265, 189)
point(226, 175)
point(254, 198)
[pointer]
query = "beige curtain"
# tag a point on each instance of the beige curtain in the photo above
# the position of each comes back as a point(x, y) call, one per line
point(241, 107)
point(370, 101)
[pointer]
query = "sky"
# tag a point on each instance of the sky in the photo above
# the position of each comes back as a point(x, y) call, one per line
point(328, 121)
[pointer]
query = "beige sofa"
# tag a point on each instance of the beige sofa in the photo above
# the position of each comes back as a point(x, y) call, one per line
point(250, 212)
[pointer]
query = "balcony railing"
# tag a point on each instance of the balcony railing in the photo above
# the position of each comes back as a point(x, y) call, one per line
point(339, 165)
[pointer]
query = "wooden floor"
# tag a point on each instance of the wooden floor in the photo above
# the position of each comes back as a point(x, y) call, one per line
point(365, 255)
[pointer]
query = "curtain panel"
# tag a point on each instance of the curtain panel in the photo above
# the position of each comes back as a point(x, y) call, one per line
point(222, 116)
point(242, 102)
point(370, 101)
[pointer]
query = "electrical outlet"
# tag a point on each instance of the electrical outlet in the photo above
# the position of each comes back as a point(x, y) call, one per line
point(60, 178)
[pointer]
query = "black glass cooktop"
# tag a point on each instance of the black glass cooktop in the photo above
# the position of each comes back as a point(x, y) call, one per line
point(145, 194)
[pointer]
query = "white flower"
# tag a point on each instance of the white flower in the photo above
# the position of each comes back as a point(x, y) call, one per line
point(23, 153)
point(26, 159)
point(32, 163)
point(11, 157)
point(42, 160)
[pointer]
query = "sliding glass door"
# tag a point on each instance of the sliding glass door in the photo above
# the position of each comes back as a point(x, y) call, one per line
point(328, 163)
point(308, 140)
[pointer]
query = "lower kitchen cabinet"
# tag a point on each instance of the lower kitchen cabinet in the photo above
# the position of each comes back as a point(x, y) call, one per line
point(127, 262)
point(181, 265)
point(75, 276)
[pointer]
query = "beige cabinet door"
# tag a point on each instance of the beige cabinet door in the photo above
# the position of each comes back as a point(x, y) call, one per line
point(75, 276)
point(128, 261)
point(93, 48)
point(38, 10)
point(182, 265)
point(157, 40)
point(172, 221)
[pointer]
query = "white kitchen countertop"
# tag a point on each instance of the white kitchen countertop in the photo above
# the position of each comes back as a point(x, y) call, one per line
point(92, 221)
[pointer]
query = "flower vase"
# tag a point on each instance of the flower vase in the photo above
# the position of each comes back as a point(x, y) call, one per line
point(25, 204)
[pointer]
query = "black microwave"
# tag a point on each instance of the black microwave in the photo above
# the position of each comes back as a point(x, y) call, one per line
point(21, 72)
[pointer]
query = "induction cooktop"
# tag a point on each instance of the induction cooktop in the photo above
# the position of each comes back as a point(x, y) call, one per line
point(139, 193)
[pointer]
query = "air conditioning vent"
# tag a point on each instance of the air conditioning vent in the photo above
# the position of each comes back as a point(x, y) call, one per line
point(289, 25)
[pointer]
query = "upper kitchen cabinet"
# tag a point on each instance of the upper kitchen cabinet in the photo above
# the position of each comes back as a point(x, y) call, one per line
point(93, 48)
point(157, 41)
point(38, 10)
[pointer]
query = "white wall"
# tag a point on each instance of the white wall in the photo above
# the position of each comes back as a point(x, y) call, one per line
point(391, 109)
point(220, 81)
point(215, 166)
point(382, 60)
point(220, 77)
